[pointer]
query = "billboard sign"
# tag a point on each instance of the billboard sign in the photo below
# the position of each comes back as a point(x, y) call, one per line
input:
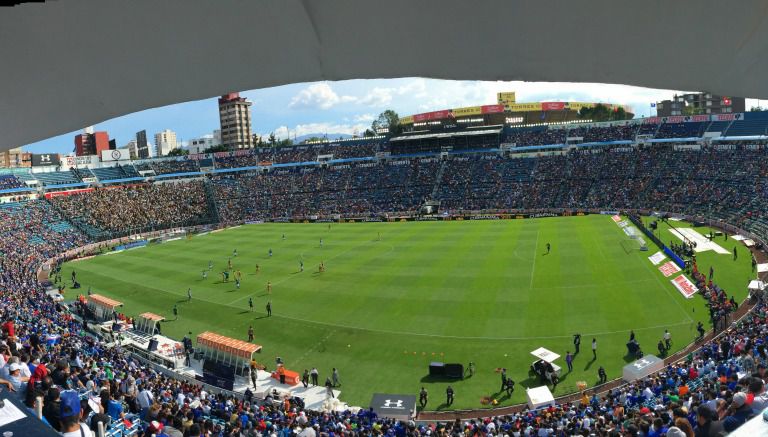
point(45, 159)
point(400, 407)
point(115, 155)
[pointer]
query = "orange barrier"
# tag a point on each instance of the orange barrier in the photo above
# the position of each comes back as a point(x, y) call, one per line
point(291, 377)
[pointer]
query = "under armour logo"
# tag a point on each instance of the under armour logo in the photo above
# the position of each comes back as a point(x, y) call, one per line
point(390, 404)
point(45, 158)
point(641, 363)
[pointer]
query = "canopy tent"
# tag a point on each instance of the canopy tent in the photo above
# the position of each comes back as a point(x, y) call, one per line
point(545, 354)
point(102, 306)
point(147, 323)
point(225, 349)
point(756, 285)
point(269, 43)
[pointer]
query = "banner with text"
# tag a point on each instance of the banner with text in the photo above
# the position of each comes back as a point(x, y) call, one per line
point(685, 286)
point(669, 268)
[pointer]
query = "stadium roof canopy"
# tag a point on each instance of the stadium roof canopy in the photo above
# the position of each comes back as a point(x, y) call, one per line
point(68, 64)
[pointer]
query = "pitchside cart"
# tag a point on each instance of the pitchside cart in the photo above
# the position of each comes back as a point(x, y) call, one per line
point(544, 365)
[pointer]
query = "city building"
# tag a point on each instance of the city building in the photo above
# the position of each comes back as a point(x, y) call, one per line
point(235, 119)
point(699, 103)
point(142, 147)
point(201, 144)
point(165, 141)
point(133, 149)
point(15, 158)
point(90, 142)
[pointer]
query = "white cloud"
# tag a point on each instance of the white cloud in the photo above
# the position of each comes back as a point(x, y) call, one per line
point(363, 118)
point(318, 96)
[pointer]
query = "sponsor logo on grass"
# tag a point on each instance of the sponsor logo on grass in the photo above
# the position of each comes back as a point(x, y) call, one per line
point(669, 268)
point(657, 258)
point(685, 286)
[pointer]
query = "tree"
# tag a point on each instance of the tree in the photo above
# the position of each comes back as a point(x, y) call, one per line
point(598, 112)
point(389, 122)
point(216, 148)
point(692, 110)
point(756, 109)
point(178, 152)
point(272, 140)
point(620, 114)
point(314, 139)
point(369, 133)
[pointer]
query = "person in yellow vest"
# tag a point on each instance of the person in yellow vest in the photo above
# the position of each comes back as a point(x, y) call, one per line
point(281, 373)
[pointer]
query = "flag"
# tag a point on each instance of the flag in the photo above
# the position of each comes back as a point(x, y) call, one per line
point(653, 105)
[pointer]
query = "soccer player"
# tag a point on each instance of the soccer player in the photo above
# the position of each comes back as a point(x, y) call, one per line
point(269, 287)
point(283, 237)
point(449, 395)
point(234, 253)
point(250, 303)
point(548, 248)
point(175, 312)
point(250, 333)
point(735, 255)
point(210, 264)
point(189, 294)
point(237, 282)
point(321, 267)
point(270, 252)
point(258, 269)
point(423, 397)
point(667, 339)
point(226, 276)
point(301, 265)
point(594, 348)
point(229, 263)
point(269, 308)
point(205, 274)
point(321, 242)
point(238, 275)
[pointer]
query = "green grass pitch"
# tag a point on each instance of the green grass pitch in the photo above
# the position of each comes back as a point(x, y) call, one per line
point(458, 291)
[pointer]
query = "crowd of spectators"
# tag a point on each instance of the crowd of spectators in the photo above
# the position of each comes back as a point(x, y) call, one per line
point(359, 189)
point(45, 352)
point(8, 182)
point(124, 209)
point(310, 152)
point(170, 166)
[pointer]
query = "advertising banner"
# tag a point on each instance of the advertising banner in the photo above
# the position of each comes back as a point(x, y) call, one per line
point(467, 111)
point(78, 161)
point(684, 286)
point(492, 109)
point(115, 155)
point(400, 407)
point(657, 258)
point(408, 119)
point(552, 106)
point(524, 107)
point(44, 159)
point(435, 115)
point(727, 117)
point(67, 192)
point(669, 268)
point(506, 98)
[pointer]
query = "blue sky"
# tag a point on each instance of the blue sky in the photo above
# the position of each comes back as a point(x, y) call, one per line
point(350, 106)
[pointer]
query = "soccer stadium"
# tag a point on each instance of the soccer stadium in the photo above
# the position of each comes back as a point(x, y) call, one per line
point(515, 268)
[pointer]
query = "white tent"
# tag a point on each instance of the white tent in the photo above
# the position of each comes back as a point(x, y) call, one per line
point(69, 64)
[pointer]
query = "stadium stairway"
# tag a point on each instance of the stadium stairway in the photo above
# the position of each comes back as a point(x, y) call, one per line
point(210, 196)
point(438, 179)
